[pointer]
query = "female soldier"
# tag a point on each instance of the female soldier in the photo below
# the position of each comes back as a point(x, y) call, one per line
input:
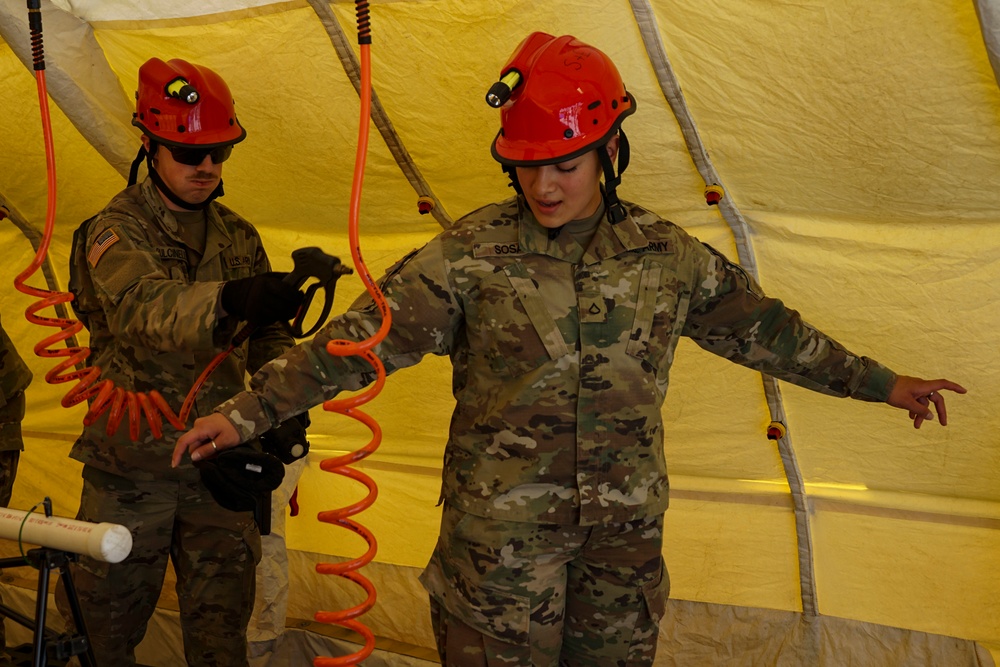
point(560, 309)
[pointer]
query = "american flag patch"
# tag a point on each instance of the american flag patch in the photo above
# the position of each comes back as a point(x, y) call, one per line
point(107, 239)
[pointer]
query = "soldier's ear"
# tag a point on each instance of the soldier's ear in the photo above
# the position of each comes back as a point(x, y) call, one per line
point(612, 147)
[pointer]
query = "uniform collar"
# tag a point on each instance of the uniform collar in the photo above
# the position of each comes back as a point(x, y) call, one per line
point(217, 237)
point(608, 241)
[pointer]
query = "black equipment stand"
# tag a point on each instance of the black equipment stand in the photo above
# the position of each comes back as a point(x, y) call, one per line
point(47, 642)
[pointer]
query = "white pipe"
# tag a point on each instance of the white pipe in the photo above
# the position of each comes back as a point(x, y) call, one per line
point(109, 542)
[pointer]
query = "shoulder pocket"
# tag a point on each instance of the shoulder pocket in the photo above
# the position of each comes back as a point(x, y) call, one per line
point(660, 311)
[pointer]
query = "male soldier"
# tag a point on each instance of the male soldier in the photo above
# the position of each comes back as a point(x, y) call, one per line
point(14, 379)
point(164, 277)
point(560, 309)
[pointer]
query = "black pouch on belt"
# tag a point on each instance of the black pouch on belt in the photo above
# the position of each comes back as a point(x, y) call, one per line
point(241, 479)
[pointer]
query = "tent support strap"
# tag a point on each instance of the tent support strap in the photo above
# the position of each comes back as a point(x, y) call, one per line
point(352, 67)
point(669, 85)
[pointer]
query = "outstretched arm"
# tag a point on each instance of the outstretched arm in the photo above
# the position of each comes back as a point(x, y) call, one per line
point(209, 435)
point(916, 394)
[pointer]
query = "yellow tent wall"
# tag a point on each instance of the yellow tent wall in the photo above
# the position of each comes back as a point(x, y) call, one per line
point(859, 147)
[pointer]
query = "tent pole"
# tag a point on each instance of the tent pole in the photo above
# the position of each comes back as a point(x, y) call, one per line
point(381, 119)
point(81, 81)
point(646, 20)
point(988, 13)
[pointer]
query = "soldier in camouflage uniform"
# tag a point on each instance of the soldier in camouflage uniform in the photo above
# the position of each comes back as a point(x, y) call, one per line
point(164, 277)
point(560, 310)
point(15, 376)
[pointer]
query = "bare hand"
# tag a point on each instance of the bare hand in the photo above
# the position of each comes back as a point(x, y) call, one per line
point(915, 395)
point(208, 436)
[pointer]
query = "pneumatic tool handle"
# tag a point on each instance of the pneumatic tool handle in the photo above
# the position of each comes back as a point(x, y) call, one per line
point(312, 262)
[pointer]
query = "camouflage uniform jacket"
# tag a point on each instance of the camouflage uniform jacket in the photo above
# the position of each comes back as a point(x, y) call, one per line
point(561, 357)
point(154, 323)
point(15, 376)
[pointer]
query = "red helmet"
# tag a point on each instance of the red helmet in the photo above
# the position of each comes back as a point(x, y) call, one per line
point(180, 103)
point(570, 99)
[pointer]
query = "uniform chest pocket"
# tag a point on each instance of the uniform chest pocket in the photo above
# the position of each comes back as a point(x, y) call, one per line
point(660, 310)
point(517, 332)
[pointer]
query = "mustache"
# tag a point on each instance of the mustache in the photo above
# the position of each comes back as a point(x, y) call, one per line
point(203, 176)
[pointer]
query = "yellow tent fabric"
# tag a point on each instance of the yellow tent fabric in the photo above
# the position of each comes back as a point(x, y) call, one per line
point(858, 144)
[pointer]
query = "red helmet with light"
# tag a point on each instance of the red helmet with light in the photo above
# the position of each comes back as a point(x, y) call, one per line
point(180, 103)
point(560, 98)
point(568, 100)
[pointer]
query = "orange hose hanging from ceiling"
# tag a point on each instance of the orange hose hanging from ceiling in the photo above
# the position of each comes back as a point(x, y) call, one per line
point(117, 400)
point(349, 406)
point(107, 397)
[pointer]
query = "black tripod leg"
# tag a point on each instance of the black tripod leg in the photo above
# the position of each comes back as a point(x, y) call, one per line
point(39, 658)
point(87, 659)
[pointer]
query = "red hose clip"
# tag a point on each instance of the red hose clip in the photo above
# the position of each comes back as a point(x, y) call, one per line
point(775, 431)
point(425, 205)
point(714, 194)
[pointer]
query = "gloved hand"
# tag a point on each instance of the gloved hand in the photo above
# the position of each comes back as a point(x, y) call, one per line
point(262, 299)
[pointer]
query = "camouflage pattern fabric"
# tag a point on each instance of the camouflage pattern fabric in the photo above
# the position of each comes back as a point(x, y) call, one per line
point(512, 594)
point(149, 299)
point(152, 315)
point(9, 460)
point(213, 552)
point(15, 376)
point(270, 610)
point(561, 357)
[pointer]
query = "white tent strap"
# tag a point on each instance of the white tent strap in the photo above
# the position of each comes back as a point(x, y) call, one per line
point(650, 31)
point(79, 79)
point(648, 28)
point(378, 114)
point(803, 531)
point(988, 12)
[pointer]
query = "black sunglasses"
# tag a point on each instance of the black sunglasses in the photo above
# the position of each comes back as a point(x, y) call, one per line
point(192, 156)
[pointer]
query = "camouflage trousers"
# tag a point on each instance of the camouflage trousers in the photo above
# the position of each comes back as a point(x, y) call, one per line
point(214, 553)
point(11, 443)
point(546, 595)
point(267, 623)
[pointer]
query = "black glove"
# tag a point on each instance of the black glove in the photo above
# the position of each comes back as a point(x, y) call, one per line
point(262, 299)
point(287, 441)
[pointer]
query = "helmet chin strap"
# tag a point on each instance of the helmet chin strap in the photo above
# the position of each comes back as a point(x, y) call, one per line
point(511, 172)
point(161, 186)
point(616, 210)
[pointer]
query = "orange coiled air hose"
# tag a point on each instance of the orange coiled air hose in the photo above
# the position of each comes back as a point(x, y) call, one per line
point(118, 401)
point(349, 406)
point(107, 397)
